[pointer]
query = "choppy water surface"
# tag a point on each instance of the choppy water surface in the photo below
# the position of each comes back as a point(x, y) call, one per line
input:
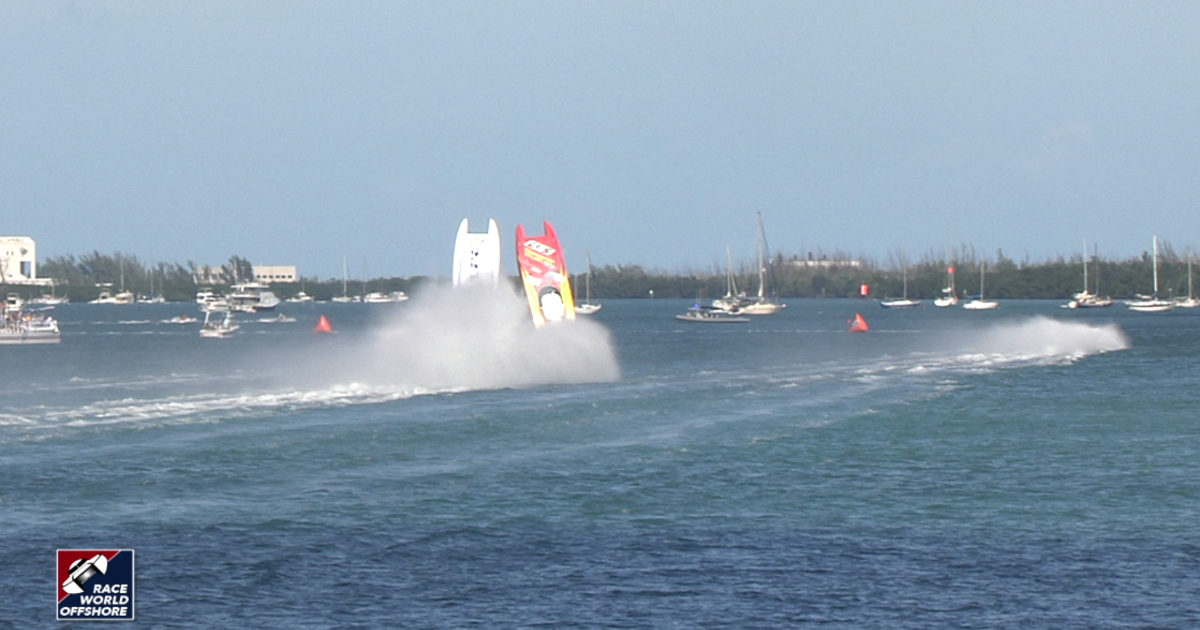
point(439, 463)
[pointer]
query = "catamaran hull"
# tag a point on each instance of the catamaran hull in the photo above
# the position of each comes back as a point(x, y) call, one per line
point(544, 276)
point(477, 254)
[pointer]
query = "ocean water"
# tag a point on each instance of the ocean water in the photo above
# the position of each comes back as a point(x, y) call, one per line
point(441, 464)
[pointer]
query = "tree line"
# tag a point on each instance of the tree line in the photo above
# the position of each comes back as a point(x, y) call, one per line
point(82, 278)
point(842, 276)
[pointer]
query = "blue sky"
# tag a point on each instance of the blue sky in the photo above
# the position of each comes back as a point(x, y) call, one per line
point(648, 132)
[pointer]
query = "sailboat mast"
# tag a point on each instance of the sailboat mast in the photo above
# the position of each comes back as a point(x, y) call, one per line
point(730, 284)
point(1156, 265)
point(1189, 275)
point(982, 268)
point(588, 257)
point(761, 273)
point(1085, 257)
point(764, 261)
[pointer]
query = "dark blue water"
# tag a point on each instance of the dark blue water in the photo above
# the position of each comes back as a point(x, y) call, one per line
point(430, 467)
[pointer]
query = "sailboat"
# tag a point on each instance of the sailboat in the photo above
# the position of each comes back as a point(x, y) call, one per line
point(1085, 298)
point(106, 296)
point(732, 301)
point(903, 302)
point(344, 297)
point(765, 303)
point(1191, 301)
point(50, 299)
point(950, 293)
point(1151, 304)
point(587, 308)
point(981, 304)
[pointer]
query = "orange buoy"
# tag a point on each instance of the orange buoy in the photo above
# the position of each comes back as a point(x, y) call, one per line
point(323, 325)
point(858, 324)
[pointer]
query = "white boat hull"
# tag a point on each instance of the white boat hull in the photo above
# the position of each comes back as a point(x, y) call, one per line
point(704, 315)
point(1150, 306)
point(903, 303)
point(477, 254)
point(761, 308)
point(13, 338)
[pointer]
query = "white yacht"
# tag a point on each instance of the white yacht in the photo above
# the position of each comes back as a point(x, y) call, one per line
point(251, 297)
point(379, 297)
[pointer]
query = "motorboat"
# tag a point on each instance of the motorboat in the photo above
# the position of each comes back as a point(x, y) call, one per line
point(210, 301)
point(108, 297)
point(711, 315)
point(49, 299)
point(1085, 299)
point(24, 327)
point(380, 297)
point(251, 297)
point(213, 328)
point(476, 254)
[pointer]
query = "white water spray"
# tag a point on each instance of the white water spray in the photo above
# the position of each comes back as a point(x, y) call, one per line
point(474, 337)
point(1041, 338)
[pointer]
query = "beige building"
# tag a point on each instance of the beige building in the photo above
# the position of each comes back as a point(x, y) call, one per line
point(267, 274)
point(18, 261)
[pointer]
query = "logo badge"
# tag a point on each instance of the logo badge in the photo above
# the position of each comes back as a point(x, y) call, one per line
point(95, 584)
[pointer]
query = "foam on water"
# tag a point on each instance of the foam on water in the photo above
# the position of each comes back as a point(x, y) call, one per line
point(844, 380)
point(444, 340)
point(1037, 339)
point(468, 338)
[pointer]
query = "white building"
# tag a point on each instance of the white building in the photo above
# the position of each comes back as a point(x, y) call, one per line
point(266, 274)
point(823, 262)
point(18, 261)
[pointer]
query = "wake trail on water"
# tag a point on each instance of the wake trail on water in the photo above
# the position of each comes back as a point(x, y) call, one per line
point(442, 340)
point(841, 376)
point(1036, 339)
